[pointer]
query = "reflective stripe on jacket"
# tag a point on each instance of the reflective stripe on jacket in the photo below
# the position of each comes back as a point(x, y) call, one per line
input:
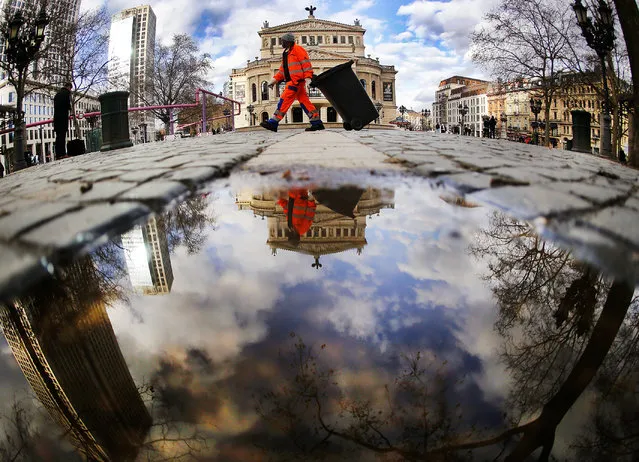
point(299, 65)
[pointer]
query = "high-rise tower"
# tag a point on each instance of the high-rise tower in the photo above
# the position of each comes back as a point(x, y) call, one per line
point(63, 341)
point(131, 54)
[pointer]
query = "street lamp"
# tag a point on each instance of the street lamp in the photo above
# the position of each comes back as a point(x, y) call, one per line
point(250, 108)
point(463, 110)
point(402, 110)
point(378, 107)
point(535, 107)
point(600, 36)
point(425, 115)
point(22, 46)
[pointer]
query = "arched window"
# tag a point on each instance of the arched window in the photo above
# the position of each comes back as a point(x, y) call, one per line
point(264, 91)
point(363, 82)
point(253, 92)
point(265, 116)
point(373, 90)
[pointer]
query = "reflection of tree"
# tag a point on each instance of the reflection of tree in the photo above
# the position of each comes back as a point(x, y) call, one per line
point(19, 437)
point(186, 224)
point(413, 420)
point(169, 437)
point(417, 421)
point(547, 304)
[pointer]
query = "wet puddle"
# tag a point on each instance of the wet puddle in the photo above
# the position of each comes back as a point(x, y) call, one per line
point(385, 322)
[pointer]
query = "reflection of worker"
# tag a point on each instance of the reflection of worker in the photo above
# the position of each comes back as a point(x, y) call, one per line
point(296, 70)
point(300, 212)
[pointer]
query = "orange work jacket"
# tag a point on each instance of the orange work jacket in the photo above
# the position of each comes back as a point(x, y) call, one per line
point(303, 211)
point(299, 65)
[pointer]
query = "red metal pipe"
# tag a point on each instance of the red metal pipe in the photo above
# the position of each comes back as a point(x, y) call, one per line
point(141, 108)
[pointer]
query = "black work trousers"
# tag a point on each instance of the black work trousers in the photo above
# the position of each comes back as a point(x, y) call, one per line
point(60, 143)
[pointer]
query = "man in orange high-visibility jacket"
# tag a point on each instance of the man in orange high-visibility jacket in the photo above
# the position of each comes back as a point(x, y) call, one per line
point(300, 212)
point(296, 70)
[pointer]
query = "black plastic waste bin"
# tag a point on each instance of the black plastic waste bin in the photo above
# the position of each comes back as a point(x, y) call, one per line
point(344, 91)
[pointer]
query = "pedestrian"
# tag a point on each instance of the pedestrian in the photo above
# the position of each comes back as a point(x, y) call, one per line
point(492, 123)
point(61, 108)
point(296, 70)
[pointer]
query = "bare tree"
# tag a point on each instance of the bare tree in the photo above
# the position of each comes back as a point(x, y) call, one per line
point(628, 14)
point(30, 70)
point(88, 55)
point(178, 71)
point(522, 41)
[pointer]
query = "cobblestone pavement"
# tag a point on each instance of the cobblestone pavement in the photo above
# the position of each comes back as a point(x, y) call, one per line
point(50, 212)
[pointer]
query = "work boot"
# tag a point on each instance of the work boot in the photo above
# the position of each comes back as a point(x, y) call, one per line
point(269, 125)
point(315, 127)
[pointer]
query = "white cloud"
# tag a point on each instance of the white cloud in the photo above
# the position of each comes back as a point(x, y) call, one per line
point(450, 22)
point(426, 41)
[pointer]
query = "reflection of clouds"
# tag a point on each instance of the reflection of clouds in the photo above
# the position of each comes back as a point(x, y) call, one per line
point(234, 303)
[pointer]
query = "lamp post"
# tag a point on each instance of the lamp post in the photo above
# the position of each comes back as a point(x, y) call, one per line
point(378, 107)
point(425, 115)
point(227, 113)
point(600, 36)
point(402, 110)
point(504, 121)
point(250, 109)
point(463, 110)
point(22, 46)
point(535, 107)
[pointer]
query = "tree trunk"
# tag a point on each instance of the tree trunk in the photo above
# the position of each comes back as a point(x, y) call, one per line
point(628, 15)
point(547, 118)
point(633, 136)
point(542, 430)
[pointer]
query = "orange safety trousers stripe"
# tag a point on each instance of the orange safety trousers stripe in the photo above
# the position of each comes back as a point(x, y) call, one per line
point(288, 98)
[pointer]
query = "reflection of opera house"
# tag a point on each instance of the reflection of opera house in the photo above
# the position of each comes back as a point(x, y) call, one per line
point(330, 233)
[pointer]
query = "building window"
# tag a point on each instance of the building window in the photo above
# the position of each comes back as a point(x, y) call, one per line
point(342, 39)
point(273, 41)
point(334, 38)
point(280, 88)
point(350, 39)
point(265, 116)
point(253, 92)
point(320, 39)
point(298, 115)
point(264, 91)
point(373, 92)
point(363, 82)
point(303, 38)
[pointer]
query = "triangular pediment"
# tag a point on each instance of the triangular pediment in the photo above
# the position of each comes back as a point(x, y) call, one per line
point(309, 25)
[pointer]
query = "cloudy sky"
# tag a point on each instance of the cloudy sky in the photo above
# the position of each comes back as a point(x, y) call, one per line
point(426, 40)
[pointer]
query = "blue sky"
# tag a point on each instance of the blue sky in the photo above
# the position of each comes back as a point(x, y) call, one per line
point(427, 41)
